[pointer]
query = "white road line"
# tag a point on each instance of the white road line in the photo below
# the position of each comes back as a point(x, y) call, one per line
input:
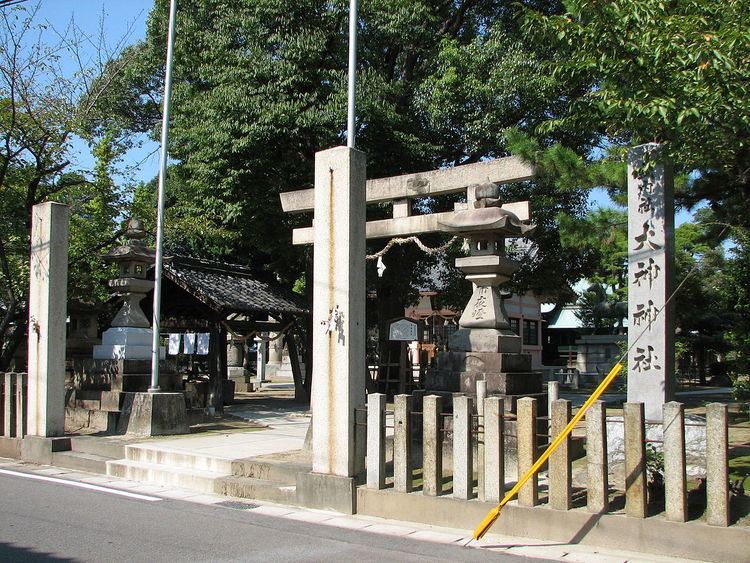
point(79, 484)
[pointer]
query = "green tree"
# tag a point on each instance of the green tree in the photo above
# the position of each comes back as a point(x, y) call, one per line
point(42, 108)
point(600, 239)
point(260, 86)
point(674, 72)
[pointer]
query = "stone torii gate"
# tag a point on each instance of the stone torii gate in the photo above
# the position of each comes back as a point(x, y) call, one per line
point(338, 234)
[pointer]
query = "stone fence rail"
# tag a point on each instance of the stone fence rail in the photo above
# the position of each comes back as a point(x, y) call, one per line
point(480, 443)
point(13, 401)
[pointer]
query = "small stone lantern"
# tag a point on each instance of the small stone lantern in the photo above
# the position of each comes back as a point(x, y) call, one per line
point(130, 335)
point(133, 259)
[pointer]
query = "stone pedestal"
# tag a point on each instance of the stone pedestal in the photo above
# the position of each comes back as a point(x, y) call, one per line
point(284, 369)
point(99, 390)
point(48, 283)
point(236, 371)
point(275, 354)
point(506, 375)
point(327, 492)
point(153, 414)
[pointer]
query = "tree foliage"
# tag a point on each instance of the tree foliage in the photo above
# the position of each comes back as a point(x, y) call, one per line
point(260, 86)
point(675, 72)
point(42, 108)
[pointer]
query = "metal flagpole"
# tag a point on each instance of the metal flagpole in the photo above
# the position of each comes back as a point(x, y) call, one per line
point(160, 213)
point(352, 72)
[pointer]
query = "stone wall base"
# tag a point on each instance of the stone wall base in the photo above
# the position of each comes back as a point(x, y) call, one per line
point(327, 492)
point(10, 447)
point(38, 449)
point(654, 535)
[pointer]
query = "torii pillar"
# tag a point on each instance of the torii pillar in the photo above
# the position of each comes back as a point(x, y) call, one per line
point(339, 329)
point(48, 282)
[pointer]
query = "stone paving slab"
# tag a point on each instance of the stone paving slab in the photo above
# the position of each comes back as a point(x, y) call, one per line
point(438, 537)
point(390, 530)
point(349, 523)
point(308, 516)
point(271, 510)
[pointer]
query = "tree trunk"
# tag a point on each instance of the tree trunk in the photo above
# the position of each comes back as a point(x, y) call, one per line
point(216, 379)
point(12, 343)
point(300, 394)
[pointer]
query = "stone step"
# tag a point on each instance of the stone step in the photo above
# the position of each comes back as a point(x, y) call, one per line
point(178, 460)
point(199, 480)
point(81, 461)
point(257, 489)
point(276, 471)
point(101, 446)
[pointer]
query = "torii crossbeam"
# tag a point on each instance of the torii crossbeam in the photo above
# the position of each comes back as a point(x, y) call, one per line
point(400, 189)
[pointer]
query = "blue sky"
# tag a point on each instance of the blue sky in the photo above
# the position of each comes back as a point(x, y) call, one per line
point(119, 19)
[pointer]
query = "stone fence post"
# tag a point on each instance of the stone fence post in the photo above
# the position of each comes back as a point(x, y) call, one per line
point(635, 460)
point(432, 446)
point(13, 407)
point(675, 479)
point(717, 470)
point(597, 497)
point(463, 466)
point(526, 433)
point(494, 449)
point(402, 464)
point(560, 476)
point(376, 440)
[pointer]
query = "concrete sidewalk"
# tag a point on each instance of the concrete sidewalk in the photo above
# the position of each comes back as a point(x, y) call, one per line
point(284, 429)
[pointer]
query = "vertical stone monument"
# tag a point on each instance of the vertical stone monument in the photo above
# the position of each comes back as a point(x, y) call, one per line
point(339, 323)
point(651, 280)
point(48, 290)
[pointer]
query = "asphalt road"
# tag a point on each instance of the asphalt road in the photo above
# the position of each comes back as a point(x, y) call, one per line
point(45, 521)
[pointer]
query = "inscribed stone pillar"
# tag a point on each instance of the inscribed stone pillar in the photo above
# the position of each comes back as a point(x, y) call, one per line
point(338, 308)
point(48, 294)
point(651, 278)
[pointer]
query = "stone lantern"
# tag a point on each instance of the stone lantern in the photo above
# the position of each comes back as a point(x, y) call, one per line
point(484, 347)
point(484, 322)
point(130, 336)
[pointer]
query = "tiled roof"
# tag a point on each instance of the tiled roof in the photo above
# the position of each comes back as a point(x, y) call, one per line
point(230, 288)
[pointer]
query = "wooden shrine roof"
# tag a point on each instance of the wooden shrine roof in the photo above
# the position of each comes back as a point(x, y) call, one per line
point(230, 288)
